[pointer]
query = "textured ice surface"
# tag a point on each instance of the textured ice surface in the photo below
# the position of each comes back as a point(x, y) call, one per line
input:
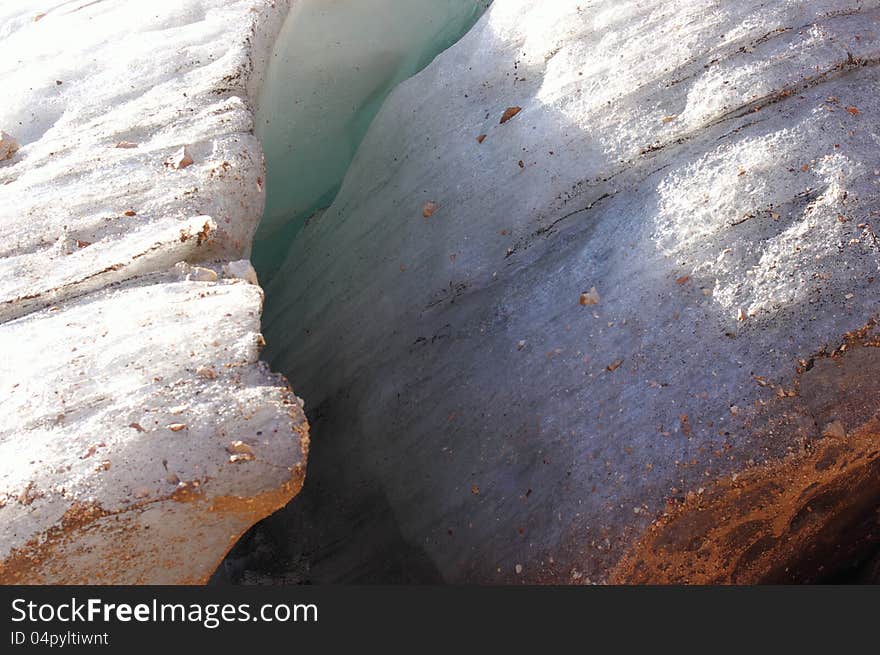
point(710, 168)
point(332, 67)
point(129, 334)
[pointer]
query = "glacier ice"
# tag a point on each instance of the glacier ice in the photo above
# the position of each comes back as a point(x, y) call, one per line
point(625, 335)
point(708, 168)
point(332, 67)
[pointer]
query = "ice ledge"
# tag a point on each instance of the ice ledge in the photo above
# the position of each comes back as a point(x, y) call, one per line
point(140, 433)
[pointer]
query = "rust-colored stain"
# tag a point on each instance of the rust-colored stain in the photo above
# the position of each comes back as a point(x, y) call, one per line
point(23, 565)
point(93, 545)
point(785, 522)
point(254, 509)
point(795, 519)
point(51, 558)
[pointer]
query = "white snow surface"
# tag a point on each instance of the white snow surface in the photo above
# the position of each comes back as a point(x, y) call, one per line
point(130, 334)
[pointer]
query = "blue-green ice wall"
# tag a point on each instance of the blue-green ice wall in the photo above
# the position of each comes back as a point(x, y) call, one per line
point(333, 65)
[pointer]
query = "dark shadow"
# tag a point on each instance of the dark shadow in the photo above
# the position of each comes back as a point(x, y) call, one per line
point(333, 532)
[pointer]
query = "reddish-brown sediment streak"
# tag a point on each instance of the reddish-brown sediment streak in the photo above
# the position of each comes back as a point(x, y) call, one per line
point(798, 519)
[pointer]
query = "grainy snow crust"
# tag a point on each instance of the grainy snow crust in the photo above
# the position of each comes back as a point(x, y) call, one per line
point(711, 169)
point(128, 378)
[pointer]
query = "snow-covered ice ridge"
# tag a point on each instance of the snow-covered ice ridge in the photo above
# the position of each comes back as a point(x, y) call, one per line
point(140, 435)
point(711, 169)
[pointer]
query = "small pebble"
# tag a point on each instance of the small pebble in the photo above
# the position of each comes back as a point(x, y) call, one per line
point(179, 160)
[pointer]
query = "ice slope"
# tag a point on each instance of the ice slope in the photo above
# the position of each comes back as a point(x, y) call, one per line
point(711, 169)
point(331, 68)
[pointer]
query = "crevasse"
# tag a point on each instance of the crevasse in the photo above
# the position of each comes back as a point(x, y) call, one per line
point(479, 414)
point(332, 67)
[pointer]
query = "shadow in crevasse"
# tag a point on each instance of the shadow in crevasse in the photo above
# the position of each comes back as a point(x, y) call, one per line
point(338, 530)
